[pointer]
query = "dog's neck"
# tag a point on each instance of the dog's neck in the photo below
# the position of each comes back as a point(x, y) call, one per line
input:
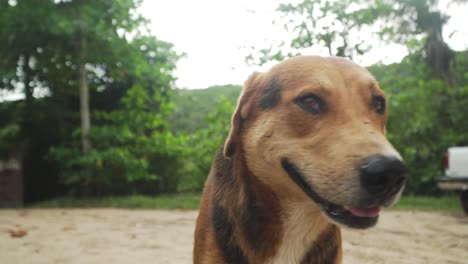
point(326, 248)
point(308, 236)
point(268, 230)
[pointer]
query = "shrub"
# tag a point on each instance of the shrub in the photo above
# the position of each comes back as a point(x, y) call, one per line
point(133, 150)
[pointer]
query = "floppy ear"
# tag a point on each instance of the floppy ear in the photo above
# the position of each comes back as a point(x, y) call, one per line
point(240, 114)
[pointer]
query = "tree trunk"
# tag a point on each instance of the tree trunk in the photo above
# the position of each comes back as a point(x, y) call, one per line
point(28, 96)
point(439, 55)
point(28, 89)
point(84, 98)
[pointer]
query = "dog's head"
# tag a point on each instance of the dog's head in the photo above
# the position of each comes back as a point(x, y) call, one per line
point(314, 128)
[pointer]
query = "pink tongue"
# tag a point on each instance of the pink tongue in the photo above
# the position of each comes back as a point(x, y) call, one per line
point(365, 212)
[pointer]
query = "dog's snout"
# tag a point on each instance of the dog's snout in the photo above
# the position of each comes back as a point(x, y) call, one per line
point(382, 175)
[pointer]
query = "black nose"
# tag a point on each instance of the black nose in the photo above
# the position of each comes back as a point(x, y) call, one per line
point(382, 175)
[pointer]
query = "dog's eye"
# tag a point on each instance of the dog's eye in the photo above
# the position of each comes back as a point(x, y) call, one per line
point(311, 103)
point(378, 104)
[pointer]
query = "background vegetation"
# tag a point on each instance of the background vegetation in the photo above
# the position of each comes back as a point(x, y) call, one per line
point(101, 115)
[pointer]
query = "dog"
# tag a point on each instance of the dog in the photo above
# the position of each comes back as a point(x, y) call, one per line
point(306, 155)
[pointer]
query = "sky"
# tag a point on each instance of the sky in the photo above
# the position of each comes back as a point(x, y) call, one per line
point(214, 35)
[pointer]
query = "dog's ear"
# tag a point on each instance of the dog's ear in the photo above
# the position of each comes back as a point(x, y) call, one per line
point(241, 113)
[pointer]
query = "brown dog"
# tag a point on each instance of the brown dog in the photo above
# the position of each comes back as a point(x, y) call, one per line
point(306, 154)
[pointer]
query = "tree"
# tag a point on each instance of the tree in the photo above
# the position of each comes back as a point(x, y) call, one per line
point(134, 150)
point(324, 23)
point(75, 40)
point(205, 143)
point(192, 106)
point(335, 25)
point(92, 29)
point(101, 49)
point(23, 35)
point(421, 19)
point(425, 116)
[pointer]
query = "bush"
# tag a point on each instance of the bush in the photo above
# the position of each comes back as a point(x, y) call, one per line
point(426, 116)
point(202, 146)
point(133, 150)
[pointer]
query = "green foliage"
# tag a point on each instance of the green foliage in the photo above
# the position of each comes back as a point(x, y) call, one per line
point(426, 116)
point(40, 42)
point(192, 201)
point(202, 117)
point(148, 139)
point(8, 135)
point(203, 145)
point(165, 201)
point(450, 203)
point(191, 107)
point(9, 127)
point(133, 148)
point(129, 75)
point(133, 151)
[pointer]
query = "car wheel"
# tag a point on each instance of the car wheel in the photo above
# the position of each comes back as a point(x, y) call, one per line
point(464, 200)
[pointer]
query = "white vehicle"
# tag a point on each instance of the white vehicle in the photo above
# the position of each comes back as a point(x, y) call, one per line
point(456, 173)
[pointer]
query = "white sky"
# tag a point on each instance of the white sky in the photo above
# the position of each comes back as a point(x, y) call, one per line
point(213, 33)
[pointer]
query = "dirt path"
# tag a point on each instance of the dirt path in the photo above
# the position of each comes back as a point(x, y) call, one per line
point(153, 236)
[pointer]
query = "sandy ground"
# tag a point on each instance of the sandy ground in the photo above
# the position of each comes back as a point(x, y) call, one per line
point(152, 236)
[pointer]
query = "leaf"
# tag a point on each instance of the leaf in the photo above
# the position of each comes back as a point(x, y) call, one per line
point(18, 233)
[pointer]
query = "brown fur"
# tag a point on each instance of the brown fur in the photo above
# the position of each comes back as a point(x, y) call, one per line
point(251, 211)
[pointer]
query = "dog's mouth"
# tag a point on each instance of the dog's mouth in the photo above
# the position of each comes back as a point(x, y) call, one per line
point(353, 217)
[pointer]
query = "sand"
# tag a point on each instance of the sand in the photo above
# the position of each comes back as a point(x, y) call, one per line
point(154, 236)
